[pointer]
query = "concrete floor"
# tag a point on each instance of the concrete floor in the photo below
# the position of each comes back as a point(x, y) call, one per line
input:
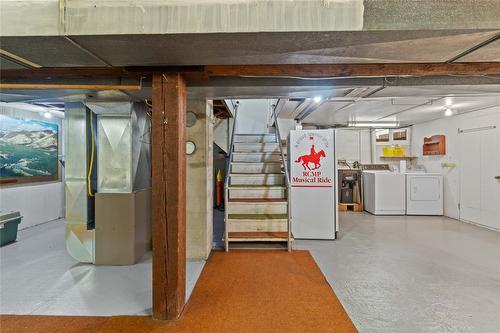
point(37, 276)
point(413, 274)
point(392, 274)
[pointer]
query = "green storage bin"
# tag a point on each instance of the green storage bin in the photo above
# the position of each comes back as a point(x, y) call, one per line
point(9, 223)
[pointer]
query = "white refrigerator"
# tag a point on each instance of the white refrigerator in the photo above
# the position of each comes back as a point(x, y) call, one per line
point(313, 184)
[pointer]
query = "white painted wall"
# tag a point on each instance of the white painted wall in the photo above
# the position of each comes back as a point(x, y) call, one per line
point(38, 202)
point(285, 125)
point(253, 116)
point(378, 149)
point(449, 126)
point(353, 145)
point(222, 134)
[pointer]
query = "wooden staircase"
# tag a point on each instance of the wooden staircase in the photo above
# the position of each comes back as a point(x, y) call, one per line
point(256, 201)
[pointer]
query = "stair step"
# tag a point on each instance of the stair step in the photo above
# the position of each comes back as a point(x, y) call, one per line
point(258, 216)
point(254, 186)
point(250, 206)
point(257, 225)
point(256, 167)
point(257, 236)
point(263, 246)
point(254, 138)
point(244, 147)
point(256, 191)
point(256, 157)
point(257, 179)
point(257, 200)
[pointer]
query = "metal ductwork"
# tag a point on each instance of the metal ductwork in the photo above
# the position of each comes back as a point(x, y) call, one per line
point(116, 163)
point(79, 205)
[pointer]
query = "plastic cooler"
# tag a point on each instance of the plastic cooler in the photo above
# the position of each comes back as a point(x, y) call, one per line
point(9, 223)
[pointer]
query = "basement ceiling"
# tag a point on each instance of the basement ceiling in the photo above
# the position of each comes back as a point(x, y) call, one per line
point(339, 104)
point(490, 52)
point(343, 99)
point(406, 105)
point(254, 48)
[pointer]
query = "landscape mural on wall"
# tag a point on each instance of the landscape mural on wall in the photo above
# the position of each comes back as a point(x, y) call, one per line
point(28, 150)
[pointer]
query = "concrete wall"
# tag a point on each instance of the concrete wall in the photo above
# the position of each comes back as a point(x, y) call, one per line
point(37, 202)
point(449, 126)
point(199, 219)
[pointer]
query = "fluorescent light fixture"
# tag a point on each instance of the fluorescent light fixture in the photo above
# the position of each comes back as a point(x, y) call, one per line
point(448, 112)
point(317, 99)
point(373, 124)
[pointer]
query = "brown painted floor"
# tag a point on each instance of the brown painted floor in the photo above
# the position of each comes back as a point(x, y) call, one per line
point(239, 291)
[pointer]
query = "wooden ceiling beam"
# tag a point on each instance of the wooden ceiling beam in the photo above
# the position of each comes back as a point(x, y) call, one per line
point(355, 70)
point(200, 73)
point(196, 72)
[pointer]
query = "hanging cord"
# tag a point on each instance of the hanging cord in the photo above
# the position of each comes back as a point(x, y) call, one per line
point(91, 164)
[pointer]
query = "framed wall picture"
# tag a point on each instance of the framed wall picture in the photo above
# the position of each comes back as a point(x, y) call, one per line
point(28, 150)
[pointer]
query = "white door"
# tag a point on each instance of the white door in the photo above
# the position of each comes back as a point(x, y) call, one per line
point(479, 167)
point(490, 185)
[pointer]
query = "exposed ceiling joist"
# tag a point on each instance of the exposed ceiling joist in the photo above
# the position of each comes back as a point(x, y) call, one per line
point(221, 110)
point(18, 59)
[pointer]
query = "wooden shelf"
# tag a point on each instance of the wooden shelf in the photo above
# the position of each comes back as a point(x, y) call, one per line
point(434, 145)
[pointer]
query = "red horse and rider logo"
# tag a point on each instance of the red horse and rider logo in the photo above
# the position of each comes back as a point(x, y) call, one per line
point(314, 157)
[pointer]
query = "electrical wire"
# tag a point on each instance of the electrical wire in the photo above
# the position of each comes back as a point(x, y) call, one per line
point(91, 164)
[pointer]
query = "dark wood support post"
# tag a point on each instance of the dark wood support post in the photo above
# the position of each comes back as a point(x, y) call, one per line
point(169, 195)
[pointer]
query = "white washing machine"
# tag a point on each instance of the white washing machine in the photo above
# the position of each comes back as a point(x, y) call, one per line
point(424, 194)
point(384, 192)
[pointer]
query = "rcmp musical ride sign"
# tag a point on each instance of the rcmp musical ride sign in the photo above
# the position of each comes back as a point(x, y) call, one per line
point(312, 173)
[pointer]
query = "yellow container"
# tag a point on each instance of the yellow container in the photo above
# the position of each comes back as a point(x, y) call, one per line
point(394, 151)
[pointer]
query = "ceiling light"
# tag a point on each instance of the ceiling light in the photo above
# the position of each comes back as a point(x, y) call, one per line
point(373, 124)
point(448, 112)
point(47, 115)
point(317, 99)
